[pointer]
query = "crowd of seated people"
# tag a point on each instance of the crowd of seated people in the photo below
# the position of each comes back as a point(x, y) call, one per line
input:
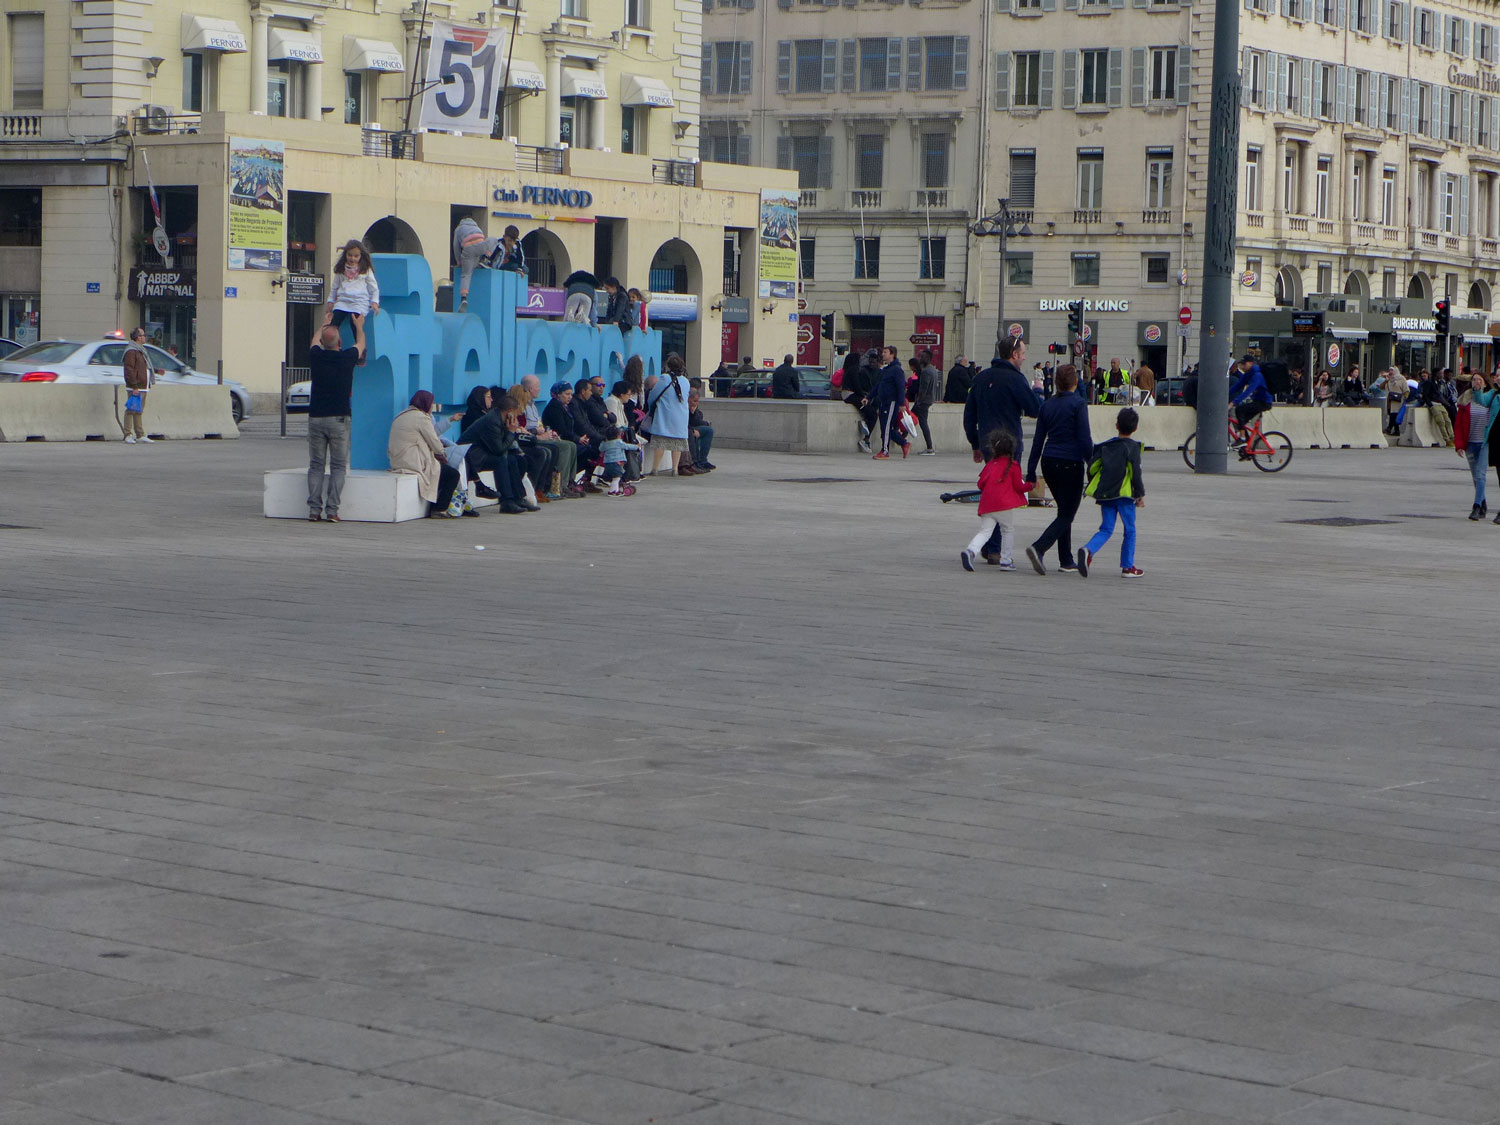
point(587, 439)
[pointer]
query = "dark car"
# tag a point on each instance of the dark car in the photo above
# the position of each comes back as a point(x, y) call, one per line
point(816, 383)
point(1169, 391)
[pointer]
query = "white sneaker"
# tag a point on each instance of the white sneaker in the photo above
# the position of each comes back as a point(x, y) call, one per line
point(129, 439)
point(149, 441)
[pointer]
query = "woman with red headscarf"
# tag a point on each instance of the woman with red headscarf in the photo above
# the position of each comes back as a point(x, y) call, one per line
point(415, 448)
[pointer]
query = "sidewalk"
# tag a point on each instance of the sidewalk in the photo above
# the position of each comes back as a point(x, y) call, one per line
point(738, 802)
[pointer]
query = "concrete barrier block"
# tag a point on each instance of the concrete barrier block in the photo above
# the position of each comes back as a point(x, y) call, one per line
point(186, 412)
point(1353, 427)
point(1161, 427)
point(1418, 430)
point(48, 412)
point(369, 496)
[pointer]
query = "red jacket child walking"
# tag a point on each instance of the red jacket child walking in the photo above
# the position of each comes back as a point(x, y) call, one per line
point(1002, 490)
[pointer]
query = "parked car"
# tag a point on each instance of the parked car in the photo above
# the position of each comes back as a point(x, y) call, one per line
point(103, 361)
point(297, 397)
point(7, 345)
point(816, 383)
point(1169, 391)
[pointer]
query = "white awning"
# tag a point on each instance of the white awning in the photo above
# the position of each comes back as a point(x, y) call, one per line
point(1349, 333)
point(372, 54)
point(210, 33)
point(640, 90)
point(524, 76)
point(1416, 337)
point(294, 46)
point(582, 84)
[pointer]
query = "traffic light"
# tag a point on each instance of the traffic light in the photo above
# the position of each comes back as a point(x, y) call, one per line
point(1444, 316)
point(1075, 318)
point(827, 319)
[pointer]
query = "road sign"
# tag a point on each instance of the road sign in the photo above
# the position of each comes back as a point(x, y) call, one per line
point(804, 333)
point(1184, 315)
point(1078, 347)
point(1184, 331)
point(925, 339)
point(801, 304)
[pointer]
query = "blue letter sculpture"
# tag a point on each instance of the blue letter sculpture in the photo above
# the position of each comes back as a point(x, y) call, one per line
point(411, 348)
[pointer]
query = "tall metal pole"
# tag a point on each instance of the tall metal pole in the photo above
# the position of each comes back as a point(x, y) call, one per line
point(1000, 285)
point(1216, 338)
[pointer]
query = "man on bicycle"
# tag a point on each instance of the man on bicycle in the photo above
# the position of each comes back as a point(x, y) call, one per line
point(1250, 396)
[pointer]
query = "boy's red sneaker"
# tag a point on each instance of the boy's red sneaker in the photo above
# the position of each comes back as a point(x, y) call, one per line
point(881, 456)
point(1131, 572)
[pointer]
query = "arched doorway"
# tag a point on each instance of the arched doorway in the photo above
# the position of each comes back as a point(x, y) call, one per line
point(391, 235)
point(1288, 287)
point(1357, 284)
point(1480, 296)
point(546, 258)
point(675, 269)
point(1419, 286)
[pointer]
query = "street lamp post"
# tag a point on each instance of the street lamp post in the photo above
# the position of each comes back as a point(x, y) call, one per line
point(1002, 224)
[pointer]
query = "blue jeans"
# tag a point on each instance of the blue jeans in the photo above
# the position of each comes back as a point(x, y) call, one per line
point(1479, 464)
point(1110, 510)
point(700, 445)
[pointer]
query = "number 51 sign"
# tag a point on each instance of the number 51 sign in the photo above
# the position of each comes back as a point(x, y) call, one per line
point(463, 77)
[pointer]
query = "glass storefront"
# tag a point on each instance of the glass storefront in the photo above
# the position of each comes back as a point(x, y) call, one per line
point(21, 314)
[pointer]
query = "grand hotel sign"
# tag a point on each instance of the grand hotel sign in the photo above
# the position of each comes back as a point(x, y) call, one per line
point(1485, 81)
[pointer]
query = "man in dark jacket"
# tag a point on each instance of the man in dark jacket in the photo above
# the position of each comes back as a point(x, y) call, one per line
point(890, 396)
point(960, 377)
point(492, 446)
point(558, 417)
point(589, 421)
point(999, 398)
point(617, 311)
point(784, 380)
point(1063, 445)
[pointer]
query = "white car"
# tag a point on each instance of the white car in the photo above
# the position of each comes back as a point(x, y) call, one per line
point(103, 361)
point(299, 397)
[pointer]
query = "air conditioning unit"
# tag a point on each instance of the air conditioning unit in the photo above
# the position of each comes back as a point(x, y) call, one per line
point(156, 118)
point(1321, 302)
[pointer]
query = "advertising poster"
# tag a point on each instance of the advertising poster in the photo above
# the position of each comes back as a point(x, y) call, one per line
point(778, 243)
point(257, 204)
point(463, 78)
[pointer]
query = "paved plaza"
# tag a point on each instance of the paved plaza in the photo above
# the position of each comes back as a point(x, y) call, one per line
point(738, 802)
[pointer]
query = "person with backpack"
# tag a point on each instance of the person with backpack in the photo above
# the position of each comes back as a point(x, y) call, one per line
point(1115, 482)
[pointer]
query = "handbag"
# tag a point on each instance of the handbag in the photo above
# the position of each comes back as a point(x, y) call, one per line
point(135, 403)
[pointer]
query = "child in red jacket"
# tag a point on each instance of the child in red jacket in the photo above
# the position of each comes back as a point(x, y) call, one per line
point(1001, 491)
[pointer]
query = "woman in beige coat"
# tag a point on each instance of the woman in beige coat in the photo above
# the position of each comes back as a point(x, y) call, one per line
point(415, 448)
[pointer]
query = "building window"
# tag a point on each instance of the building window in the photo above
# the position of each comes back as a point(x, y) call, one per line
point(1423, 124)
point(1086, 269)
point(809, 66)
point(1252, 267)
point(1326, 75)
point(354, 97)
point(728, 67)
point(1090, 179)
point(1028, 84)
point(637, 14)
point(1325, 277)
point(869, 160)
point(1482, 122)
point(1289, 183)
point(1252, 179)
point(867, 259)
point(1018, 267)
point(1163, 74)
point(192, 82)
point(27, 59)
point(575, 9)
point(1357, 184)
point(1388, 197)
point(1450, 182)
point(934, 258)
point(1361, 105)
point(281, 88)
point(807, 161)
point(1292, 86)
point(20, 217)
point(1388, 283)
point(1257, 68)
point(879, 64)
point(946, 60)
point(720, 146)
point(935, 148)
point(1322, 176)
point(807, 259)
point(1158, 179)
point(1023, 178)
point(1155, 268)
point(1395, 20)
point(633, 129)
point(1455, 114)
point(1392, 102)
point(1458, 36)
point(1426, 27)
point(1094, 77)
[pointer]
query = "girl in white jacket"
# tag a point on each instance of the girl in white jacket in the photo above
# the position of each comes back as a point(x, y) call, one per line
point(353, 288)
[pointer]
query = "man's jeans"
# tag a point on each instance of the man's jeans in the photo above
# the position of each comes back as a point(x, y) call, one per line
point(699, 446)
point(327, 442)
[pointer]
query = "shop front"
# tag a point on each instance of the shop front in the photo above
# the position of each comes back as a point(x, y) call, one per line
point(169, 308)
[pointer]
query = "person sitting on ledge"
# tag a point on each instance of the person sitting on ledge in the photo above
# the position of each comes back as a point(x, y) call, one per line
point(590, 419)
point(415, 448)
point(558, 418)
point(538, 458)
point(492, 446)
point(700, 435)
point(564, 453)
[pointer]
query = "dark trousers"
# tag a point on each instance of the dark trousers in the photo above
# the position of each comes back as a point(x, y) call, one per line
point(1065, 479)
point(1247, 411)
point(541, 463)
point(447, 484)
point(507, 470)
point(920, 410)
point(890, 426)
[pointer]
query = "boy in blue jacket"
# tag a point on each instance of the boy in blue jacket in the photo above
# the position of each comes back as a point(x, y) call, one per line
point(1115, 481)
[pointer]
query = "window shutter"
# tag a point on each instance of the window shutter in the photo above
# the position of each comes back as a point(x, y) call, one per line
point(783, 152)
point(1116, 3)
point(914, 64)
point(1184, 75)
point(893, 64)
point(1463, 49)
point(830, 65)
point(1273, 81)
point(1447, 20)
point(1495, 123)
point(1385, 102)
point(960, 62)
point(1002, 79)
point(742, 148)
point(1047, 64)
point(1338, 12)
point(1443, 119)
point(747, 70)
point(1049, 5)
point(706, 81)
point(1138, 76)
point(1463, 205)
point(784, 66)
point(1405, 106)
point(1002, 6)
point(1070, 80)
point(1466, 126)
point(847, 79)
point(1116, 72)
point(1340, 93)
point(825, 161)
point(1308, 108)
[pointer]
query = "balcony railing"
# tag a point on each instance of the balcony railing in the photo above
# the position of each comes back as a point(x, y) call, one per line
point(1364, 232)
point(1489, 248)
point(1325, 227)
point(184, 255)
point(864, 199)
point(808, 198)
point(1254, 220)
point(392, 145)
point(21, 125)
point(1428, 240)
point(1390, 234)
point(1159, 215)
point(1088, 216)
point(531, 158)
point(684, 173)
point(731, 285)
point(1295, 223)
point(926, 199)
point(1450, 243)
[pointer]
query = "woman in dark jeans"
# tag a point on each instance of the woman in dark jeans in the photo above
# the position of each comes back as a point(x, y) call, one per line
point(1064, 446)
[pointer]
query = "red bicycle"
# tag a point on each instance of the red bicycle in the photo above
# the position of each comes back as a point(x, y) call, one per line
point(1269, 450)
